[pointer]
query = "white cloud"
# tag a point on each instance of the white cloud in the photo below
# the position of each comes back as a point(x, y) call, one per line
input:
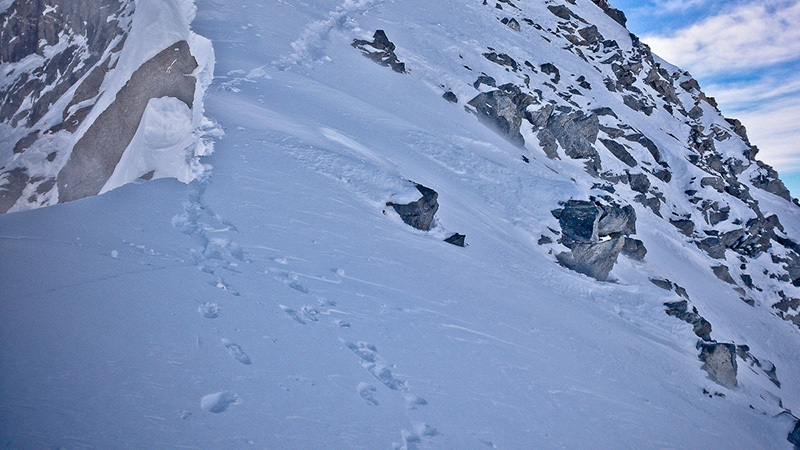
point(747, 37)
point(669, 6)
point(775, 127)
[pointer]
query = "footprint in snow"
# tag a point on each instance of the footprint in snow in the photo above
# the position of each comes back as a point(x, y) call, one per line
point(209, 310)
point(412, 401)
point(236, 352)
point(374, 364)
point(293, 314)
point(367, 392)
point(413, 437)
point(219, 402)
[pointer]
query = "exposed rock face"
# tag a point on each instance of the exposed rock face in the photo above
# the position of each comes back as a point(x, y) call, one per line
point(26, 27)
point(167, 74)
point(419, 214)
point(503, 110)
point(61, 59)
point(680, 309)
point(719, 361)
point(596, 234)
point(380, 50)
point(614, 13)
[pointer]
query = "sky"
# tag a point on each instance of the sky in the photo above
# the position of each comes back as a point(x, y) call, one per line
point(744, 53)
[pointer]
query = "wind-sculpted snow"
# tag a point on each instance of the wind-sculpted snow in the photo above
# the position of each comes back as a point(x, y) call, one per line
point(281, 301)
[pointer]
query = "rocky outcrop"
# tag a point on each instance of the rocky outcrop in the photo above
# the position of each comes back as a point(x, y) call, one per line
point(167, 74)
point(380, 50)
point(503, 110)
point(419, 214)
point(680, 309)
point(614, 13)
point(719, 361)
point(595, 232)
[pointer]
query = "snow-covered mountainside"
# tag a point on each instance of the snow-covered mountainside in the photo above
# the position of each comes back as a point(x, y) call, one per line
point(97, 94)
point(452, 224)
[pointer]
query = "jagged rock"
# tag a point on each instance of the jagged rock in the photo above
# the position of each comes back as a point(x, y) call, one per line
point(591, 35)
point(575, 131)
point(717, 183)
point(713, 246)
point(680, 309)
point(502, 59)
point(25, 143)
point(686, 226)
point(651, 147)
point(663, 87)
point(12, 183)
point(664, 175)
point(620, 152)
point(767, 179)
point(484, 79)
point(639, 182)
point(739, 129)
point(637, 104)
point(595, 260)
point(662, 283)
point(634, 249)
point(450, 97)
point(552, 70)
point(380, 50)
point(544, 240)
point(794, 436)
point(503, 110)
point(719, 361)
point(696, 112)
point(561, 11)
point(596, 234)
point(456, 239)
point(511, 23)
point(605, 111)
point(614, 13)
point(723, 273)
point(419, 214)
point(26, 26)
point(97, 153)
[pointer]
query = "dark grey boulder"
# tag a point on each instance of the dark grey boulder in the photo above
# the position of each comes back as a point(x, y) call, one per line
point(591, 35)
point(503, 110)
point(450, 97)
point(680, 310)
point(596, 233)
point(719, 361)
point(502, 59)
point(457, 239)
point(595, 259)
point(511, 23)
point(552, 70)
point(723, 273)
point(686, 226)
point(380, 50)
point(662, 283)
point(634, 249)
point(794, 436)
point(419, 214)
point(614, 13)
point(561, 11)
point(12, 186)
point(619, 151)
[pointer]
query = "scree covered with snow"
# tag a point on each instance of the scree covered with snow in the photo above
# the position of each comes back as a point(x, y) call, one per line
point(280, 301)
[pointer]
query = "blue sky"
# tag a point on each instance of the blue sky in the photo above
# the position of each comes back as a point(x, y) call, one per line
point(746, 54)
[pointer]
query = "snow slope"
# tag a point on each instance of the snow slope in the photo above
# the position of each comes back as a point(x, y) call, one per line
point(276, 302)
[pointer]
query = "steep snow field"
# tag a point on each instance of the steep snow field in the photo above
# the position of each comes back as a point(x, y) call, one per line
point(278, 303)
